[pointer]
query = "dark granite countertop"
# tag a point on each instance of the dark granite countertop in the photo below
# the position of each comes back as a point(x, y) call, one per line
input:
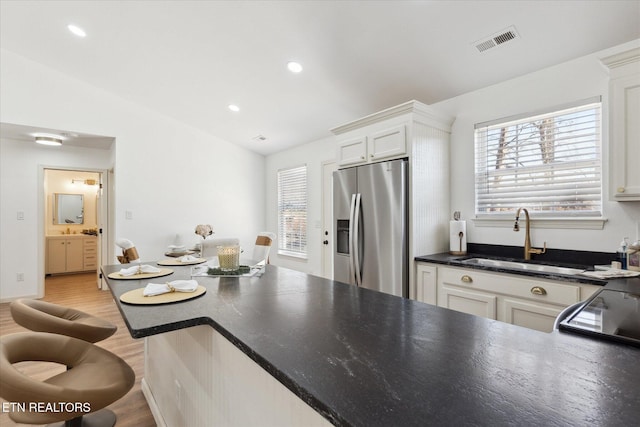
point(364, 358)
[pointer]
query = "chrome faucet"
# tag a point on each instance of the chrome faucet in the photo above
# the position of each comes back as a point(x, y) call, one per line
point(528, 250)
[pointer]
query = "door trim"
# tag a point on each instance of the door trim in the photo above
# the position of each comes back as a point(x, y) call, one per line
point(106, 241)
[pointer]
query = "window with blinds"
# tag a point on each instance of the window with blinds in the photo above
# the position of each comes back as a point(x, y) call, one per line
point(548, 163)
point(292, 211)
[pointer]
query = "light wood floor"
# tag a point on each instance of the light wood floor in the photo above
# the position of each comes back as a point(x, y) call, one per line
point(80, 292)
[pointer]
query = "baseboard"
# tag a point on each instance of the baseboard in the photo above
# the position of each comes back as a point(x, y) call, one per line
point(153, 406)
point(3, 300)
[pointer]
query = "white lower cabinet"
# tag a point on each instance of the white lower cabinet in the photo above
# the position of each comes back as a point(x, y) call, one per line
point(426, 283)
point(481, 304)
point(71, 254)
point(529, 302)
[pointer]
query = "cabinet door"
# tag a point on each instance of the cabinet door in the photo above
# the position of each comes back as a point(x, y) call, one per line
point(56, 256)
point(426, 276)
point(625, 141)
point(388, 143)
point(477, 303)
point(75, 255)
point(352, 151)
point(530, 314)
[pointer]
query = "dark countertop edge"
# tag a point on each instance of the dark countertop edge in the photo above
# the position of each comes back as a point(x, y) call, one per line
point(302, 393)
point(456, 261)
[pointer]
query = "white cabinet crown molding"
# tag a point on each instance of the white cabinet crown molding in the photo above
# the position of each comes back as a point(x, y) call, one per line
point(425, 112)
point(622, 58)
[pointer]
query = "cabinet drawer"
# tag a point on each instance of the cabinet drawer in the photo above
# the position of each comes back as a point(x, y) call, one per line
point(533, 289)
point(90, 243)
point(90, 250)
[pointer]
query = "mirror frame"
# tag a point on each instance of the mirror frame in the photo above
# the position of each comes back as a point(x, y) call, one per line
point(68, 202)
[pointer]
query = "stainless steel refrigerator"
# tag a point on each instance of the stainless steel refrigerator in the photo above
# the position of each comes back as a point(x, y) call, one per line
point(370, 216)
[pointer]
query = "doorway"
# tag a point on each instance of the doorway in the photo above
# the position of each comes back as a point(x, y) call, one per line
point(74, 217)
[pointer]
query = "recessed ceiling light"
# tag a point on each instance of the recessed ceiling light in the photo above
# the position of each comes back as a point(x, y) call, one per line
point(234, 107)
point(76, 30)
point(294, 67)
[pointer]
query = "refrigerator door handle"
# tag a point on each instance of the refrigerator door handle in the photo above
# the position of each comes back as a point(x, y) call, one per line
point(356, 241)
point(352, 267)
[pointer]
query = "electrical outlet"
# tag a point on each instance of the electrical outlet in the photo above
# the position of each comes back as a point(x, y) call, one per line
point(20, 277)
point(20, 216)
point(128, 215)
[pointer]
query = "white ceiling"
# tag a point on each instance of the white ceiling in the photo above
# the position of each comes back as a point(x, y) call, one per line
point(190, 59)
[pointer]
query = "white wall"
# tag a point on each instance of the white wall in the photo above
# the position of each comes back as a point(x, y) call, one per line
point(20, 163)
point(170, 176)
point(313, 154)
point(567, 82)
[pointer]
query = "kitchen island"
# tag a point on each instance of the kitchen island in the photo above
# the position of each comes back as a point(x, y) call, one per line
point(350, 356)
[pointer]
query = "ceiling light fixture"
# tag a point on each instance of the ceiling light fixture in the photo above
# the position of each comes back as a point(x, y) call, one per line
point(294, 66)
point(84, 181)
point(76, 30)
point(234, 108)
point(48, 140)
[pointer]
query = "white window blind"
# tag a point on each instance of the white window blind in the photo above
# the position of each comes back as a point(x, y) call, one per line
point(548, 163)
point(292, 211)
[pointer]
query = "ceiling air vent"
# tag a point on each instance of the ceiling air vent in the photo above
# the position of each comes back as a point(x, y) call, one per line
point(496, 39)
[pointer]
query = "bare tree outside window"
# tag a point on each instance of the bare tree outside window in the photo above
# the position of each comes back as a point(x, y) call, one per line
point(549, 163)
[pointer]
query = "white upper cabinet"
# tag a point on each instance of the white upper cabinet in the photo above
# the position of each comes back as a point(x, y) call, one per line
point(624, 125)
point(388, 134)
point(374, 146)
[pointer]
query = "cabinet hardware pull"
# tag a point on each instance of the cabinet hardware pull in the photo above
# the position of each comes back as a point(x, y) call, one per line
point(371, 156)
point(466, 279)
point(361, 157)
point(620, 189)
point(537, 290)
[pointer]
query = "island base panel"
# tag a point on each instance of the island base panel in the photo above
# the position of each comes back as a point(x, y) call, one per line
point(196, 377)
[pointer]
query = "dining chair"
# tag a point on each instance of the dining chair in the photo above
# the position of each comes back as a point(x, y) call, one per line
point(129, 251)
point(209, 247)
point(263, 246)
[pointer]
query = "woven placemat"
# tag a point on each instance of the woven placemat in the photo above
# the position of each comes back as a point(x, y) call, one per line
point(175, 261)
point(163, 272)
point(136, 297)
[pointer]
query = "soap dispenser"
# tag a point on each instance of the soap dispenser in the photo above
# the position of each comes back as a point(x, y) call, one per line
point(621, 254)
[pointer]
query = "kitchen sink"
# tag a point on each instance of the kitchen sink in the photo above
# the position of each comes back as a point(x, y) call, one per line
point(514, 265)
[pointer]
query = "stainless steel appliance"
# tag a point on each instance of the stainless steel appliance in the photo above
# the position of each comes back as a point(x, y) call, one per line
point(609, 314)
point(371, 221)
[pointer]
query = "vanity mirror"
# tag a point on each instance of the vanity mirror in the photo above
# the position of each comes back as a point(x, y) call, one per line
point(68, 208)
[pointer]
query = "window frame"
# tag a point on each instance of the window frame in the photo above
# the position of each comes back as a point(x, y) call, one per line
point(555, 219)
point(283, 240)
